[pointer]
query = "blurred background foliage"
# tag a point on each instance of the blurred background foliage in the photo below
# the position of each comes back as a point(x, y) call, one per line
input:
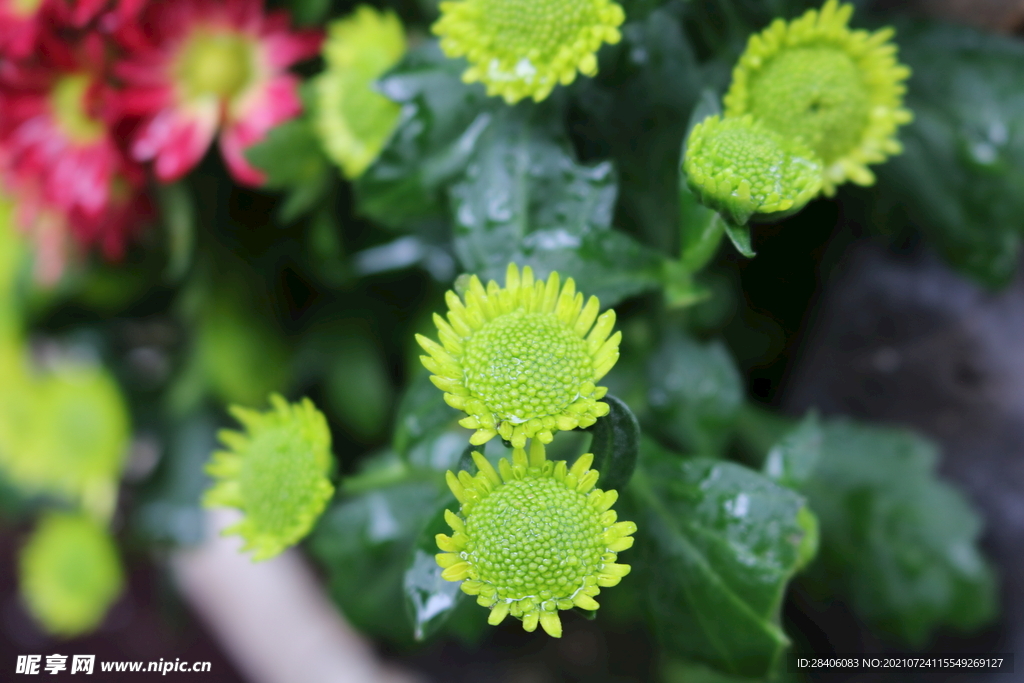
point(314, 285)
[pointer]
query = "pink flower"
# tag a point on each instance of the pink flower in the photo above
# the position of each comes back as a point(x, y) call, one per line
point(59, 158)
point(210, 66)
point(20, 24)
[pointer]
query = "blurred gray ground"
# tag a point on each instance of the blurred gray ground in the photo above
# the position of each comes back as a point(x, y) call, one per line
point(903, 340)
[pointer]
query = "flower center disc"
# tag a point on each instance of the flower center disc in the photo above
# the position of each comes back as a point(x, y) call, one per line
point(215, 64)
point(535, 537)
point(525, 365)
point(815, 93)
point(68, 103)
point(25, 8)
point(523, 26)
point(279, 481)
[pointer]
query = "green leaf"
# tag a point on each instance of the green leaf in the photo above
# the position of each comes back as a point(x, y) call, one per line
point(167, 508)
point(791, 461)
point(179, 213)
point(309, 12)
point(961, 175)
point(429, 599)
point(292, 159)
point(637, 107)
point(694, 391)
point(363, 543)
point(524, 198)
point(441, 119)
point(358, 386)
point(898, 544)
point(615, 445)
point(722, 543)
point(421, 413)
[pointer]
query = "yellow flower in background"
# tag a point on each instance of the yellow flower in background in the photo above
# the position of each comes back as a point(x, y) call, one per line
point(65, 432)
point(522, 360)
point(524, 48)
point(838, 90)
point(275, 472)
point(741, 169)
point(354, 121)
point(533, 537)
point(70, 573)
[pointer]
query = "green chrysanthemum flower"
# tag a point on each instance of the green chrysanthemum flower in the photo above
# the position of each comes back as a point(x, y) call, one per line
point(354, 121)
point(275, 473)
point(740, 168)
point(841, 91)
point(524, 48)
point(522, 360)
point(70, 574)
point(533, 537)
point(64, 433)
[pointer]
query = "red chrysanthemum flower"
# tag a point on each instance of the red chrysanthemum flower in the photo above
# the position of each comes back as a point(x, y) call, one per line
point(20, 24)
point(59, 158)
point(210, 66)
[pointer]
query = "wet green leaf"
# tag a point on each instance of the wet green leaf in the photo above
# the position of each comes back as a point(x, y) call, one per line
point(525, 198)
point(363, 543)
point(637, 109)
point(897, 543)
point(421, 413)
point(961, 175)
point(441, 119)
point(429, 599)
point(615, 445)
point(694, 391)
point(722, 542)
point(791, 461)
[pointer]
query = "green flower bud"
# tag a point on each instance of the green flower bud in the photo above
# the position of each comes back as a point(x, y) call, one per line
point(741, 169)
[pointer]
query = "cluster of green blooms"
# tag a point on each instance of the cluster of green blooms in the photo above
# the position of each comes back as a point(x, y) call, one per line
point(533, 536)
point(63, 435)
point(809, 94)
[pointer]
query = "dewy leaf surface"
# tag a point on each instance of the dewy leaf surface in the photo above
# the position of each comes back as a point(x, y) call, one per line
point(896, 542)
point(961, 175)
point(722, 543)
point(523, 197)
point(695, 391)
point(441, 120)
